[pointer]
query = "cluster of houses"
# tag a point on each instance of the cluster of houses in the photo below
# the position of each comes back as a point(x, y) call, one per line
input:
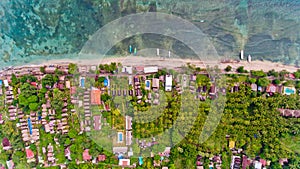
point(49, 152)
point(28, 126)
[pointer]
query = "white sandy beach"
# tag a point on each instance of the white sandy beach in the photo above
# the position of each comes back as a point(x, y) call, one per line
point(176, 62)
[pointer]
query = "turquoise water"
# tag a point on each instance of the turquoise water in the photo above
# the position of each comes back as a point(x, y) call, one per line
point(41, 29)
point(289, 91)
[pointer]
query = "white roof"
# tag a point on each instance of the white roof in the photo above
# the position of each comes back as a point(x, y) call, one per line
point(5, 83)
point(257, 165)
point(152, 69)
point(168, 86)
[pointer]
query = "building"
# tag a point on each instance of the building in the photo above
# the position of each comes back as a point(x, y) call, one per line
point(68, 84)
point(29, 153)
point(155, 83)
point(95, 96)
point(152, 69)
point(6, 144)
point(124, 162)
point(101, 158)
point(10, 164)
point(97, 122)
point(271, 88)
point(257, 165)
point(5, 83)
point(254, 87)
point(168, 84)
point(127, 69)
point(1, 120)
point(86, 156)
point(128, 122)
point(128, 138)
point(231, 144)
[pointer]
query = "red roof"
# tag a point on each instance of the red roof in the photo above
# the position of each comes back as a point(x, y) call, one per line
point(86, 156)
point(95, 96)
point(29, 153)
point(101, 158)
point(33, 84)
point(264, 162)
point(73, 90)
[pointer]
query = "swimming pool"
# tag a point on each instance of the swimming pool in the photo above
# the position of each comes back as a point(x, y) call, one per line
point(120, 137)
point(82, 82)
point(289, 91)
point(147, 83)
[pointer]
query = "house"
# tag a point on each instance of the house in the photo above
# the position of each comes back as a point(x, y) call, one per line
point(29, 153)
point(68, 84)
point(6, 144)
point(10, 164)
point(5, 83)
point(213, 90)
point(124, 162)
point(95, 96)
point(86, 156)
point(128, 122)
point(193, 78)
point(257, 165)
point(139, 68)
point(97, 122)
point(246, 162)
point(254, 87)
point(155, 83)
point(168, 84)
point(127, 69)
point(231, 144)
point(152, 69)
point(128, 138)
point(68, 153)
point(1, 120)
point(271, 88)
point(101, 158)
point(283, 161)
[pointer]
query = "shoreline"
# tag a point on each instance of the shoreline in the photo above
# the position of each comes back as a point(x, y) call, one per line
point(177, 62)
point(170, 63)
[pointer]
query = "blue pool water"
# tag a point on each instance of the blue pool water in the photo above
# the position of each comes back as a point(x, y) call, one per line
point(29, 125)
point(141, 161)
point(289, 91)
point(120, 137)
point(82, 82)
point(147, 83)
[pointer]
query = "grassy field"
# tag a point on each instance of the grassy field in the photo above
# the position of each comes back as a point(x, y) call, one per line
point(292, 143)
